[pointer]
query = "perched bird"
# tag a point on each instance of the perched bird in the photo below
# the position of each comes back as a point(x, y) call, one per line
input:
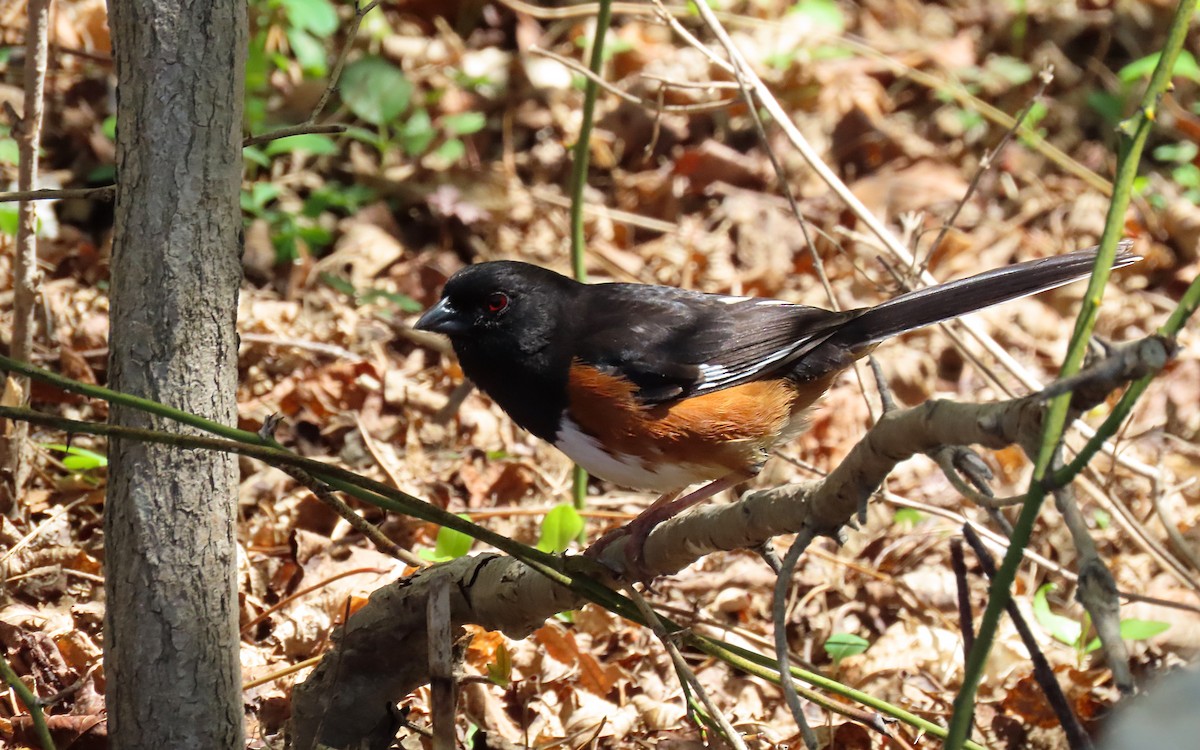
point(658, 388)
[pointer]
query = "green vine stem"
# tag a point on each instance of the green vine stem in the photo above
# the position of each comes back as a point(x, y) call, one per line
point(579, 172)
point(1134, 133)
point(30, 701)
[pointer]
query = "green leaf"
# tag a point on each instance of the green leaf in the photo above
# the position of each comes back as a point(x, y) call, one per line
point(256, 155)
point(8, 219)
point(1183, 151)
point(9, 152)
point(1012, 70)
point(103, 174)
point(375, 90)
point(500, 671)
point(560, 527)
point(1063, 629)
point(78, 459)
point(1185, 66)
point(450, 151)
point(1139, 630)
point(464, 123)
point(309, 52)
point(402, 302)
point(907, 516)
point(315, 236)
point(451, 544)
point(366, 136)
point(261, 193)
point(310, 143)
point(1132, 630)
point(256, 65)
point(417, 133)
point(822, 14)
point(338, 284)
point(1186, 175)
point(1109, 106)
point(316, 16)
point(1099, 515)
point(841, 645)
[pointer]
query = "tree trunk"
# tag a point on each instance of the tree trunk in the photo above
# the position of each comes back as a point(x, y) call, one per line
point(171, 640)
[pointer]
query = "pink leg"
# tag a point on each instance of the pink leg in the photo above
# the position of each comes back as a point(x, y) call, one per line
point(664, 508)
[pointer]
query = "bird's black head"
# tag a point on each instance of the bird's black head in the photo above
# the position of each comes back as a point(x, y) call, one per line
point(508, 324)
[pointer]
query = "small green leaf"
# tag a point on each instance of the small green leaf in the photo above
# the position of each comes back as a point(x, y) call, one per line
point(1186, 175)
point(1140, 630)
point(9, 152)
point(464, 123)
point(316, 16)
point(450, 544)
point(78, 459)
point(1099, 515)
point(309, 52)
point(1132, 630)
point(310, 143)
point(1185, 67)
point(822, 14)
point(9, 219)
point(1181, 152)
point(338, 284)
point(403, 302)
point(1063, 629)
point(1012, 70)
point(375, 90)
point(907, 516)
point(841, 645)
point(560, 527)
point(261, 193)
point(109, 127)
point(1109, 106)
point(500, 671)
point(450, 151)
point(417, 133)
point(256, 155)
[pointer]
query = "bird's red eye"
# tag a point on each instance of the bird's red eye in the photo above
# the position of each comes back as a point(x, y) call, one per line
point(497, 302)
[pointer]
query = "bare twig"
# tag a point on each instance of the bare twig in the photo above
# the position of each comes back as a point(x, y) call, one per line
point(335, 74)
point(779, 616)
point(1097, 590)
point(1042, 671)
point(14, 445)
point(752, 87)
point(623, 94)
point(301, 129)
point(1044, 78)
point(357, 522)
point(686, 676)
point(102, 193)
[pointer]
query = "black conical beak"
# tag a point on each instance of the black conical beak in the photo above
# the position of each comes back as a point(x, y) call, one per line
point(442, 318)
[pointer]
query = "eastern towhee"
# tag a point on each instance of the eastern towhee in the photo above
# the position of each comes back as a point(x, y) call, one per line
point(658, 388)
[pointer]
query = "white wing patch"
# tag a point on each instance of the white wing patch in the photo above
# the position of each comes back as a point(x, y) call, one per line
point(729, 299)
point(715, 376)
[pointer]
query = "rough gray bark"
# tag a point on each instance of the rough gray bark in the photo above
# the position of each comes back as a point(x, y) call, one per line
point(171, 639)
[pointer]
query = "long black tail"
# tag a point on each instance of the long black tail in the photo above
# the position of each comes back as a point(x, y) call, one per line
point(924, 307)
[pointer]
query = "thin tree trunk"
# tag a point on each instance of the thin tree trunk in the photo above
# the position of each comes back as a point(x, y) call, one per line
point(171, 640)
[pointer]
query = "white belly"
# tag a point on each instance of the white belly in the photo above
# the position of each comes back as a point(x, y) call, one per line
point(626, 470)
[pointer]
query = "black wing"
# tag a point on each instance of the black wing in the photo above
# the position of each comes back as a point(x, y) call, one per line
point(673, 343)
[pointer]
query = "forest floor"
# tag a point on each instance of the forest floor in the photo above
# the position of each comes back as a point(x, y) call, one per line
point(459, 152)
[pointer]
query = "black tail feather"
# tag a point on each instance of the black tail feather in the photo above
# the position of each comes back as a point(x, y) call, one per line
point(925, 307)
